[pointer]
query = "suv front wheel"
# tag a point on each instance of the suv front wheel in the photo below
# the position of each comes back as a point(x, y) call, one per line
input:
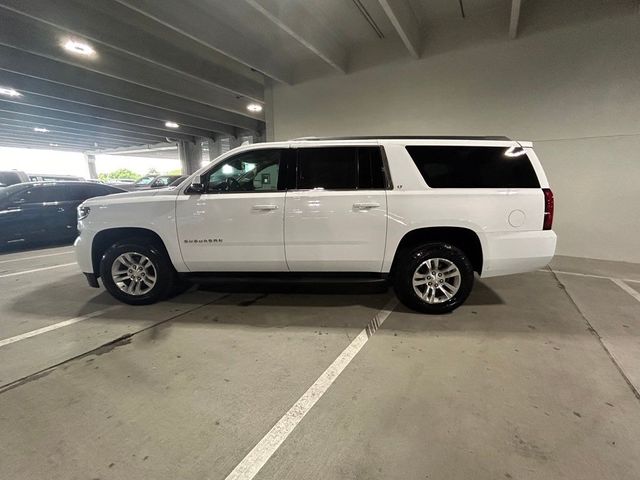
point(136, 273)
point(434, 278)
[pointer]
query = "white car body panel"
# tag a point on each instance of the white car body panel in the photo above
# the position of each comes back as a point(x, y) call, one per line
point(318, 230)
point(232, 232)
point(335, 231)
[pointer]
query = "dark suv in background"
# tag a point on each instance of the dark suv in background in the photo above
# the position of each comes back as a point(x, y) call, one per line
point(44, 212)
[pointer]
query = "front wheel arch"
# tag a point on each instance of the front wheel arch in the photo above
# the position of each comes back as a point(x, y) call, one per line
point(104, 239)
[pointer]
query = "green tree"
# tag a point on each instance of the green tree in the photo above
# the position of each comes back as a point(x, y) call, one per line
point(118, 174)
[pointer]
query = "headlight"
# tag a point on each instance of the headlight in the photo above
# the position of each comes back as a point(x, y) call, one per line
point(83, 212)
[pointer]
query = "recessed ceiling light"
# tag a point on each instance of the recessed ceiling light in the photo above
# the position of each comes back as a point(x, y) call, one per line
point(54, 145)
point(40, 129)
point(171, 125)
point(9, 92)
point(254, 107)
point(80, 48)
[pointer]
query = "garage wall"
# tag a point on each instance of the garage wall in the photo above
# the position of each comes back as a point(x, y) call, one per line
point(574, 91)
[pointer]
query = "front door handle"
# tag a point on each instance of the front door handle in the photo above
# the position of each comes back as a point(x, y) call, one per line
point(265, 207)
point(365, 205)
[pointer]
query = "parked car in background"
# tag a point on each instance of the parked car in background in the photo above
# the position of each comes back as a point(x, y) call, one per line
point(132, 185)
point(44, 212)
point(148, 182)
point(11, 177)
point(145, 181)
point(162, 181)
point(178, 180)
point(47, 177)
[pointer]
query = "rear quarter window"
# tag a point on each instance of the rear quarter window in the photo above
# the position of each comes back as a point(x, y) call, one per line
point(474, 167)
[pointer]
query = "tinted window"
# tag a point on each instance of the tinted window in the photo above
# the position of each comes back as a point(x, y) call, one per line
point(474, 167)
point(9, 178)
point(371, 173)
point(41, 194)
point(340, 168)
point(252, 171)
point(7, 194)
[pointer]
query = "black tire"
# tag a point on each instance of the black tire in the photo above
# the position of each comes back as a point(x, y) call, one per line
point(165, 273)
point(409, 264)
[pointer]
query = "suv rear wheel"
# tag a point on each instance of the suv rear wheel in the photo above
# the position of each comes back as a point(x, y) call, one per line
point(434, 278)
point(136, 273)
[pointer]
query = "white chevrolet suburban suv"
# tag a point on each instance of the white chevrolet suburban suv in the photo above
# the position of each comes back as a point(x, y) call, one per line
point(424, 212)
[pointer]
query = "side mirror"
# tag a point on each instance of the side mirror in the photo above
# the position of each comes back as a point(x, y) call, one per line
point(196, 186)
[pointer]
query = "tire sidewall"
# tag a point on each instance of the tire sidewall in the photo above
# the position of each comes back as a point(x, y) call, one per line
point(164, 272)
point(404, 278)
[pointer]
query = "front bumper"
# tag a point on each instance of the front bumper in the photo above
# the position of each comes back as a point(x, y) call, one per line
point(82, 247)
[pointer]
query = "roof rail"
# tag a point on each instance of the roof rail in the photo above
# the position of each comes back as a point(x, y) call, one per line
point(407, 137)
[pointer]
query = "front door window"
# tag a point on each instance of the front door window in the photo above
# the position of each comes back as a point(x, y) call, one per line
point(253, 171)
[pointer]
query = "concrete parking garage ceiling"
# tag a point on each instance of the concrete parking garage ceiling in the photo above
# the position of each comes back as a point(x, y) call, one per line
point(201, 63)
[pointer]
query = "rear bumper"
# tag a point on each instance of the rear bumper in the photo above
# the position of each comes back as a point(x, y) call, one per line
point(517, 252)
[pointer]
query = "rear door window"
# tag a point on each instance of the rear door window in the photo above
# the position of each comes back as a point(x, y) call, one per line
point(340, 168)
point(474, 167)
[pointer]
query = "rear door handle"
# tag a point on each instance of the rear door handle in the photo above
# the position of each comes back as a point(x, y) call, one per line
point(265, 207)
point(365, 205)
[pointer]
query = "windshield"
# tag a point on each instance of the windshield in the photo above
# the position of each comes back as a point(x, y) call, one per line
point(145, 180)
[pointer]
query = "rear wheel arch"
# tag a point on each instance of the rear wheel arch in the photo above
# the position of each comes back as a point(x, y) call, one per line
point(106, 238)
point(463, 238)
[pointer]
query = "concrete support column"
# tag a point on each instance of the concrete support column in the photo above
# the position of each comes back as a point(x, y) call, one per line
point(215, 147)
point(270, 134)
point(91, 163)
point(190, 156)
point(235, 142)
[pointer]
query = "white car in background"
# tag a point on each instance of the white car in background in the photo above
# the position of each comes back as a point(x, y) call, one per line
point(424, 212)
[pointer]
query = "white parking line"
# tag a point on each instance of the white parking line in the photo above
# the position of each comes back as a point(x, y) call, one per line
point(262, 452)
point(590, 275)
point(55, 326)
point(626, 288)
point(36, 256)
point(618, 281)
point(37, 270)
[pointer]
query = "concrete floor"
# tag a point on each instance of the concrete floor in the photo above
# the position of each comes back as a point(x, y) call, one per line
point(535, 377)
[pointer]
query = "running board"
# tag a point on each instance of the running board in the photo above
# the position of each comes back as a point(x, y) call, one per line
point(273, 278)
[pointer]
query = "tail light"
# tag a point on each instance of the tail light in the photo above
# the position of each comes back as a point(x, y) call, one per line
point(548, 209)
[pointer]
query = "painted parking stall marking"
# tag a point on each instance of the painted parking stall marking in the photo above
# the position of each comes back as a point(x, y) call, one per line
point(55, 326)
point(33, 257)
point(626, 288)
point(262, 452)
point(24, 272)
point(621, 282)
